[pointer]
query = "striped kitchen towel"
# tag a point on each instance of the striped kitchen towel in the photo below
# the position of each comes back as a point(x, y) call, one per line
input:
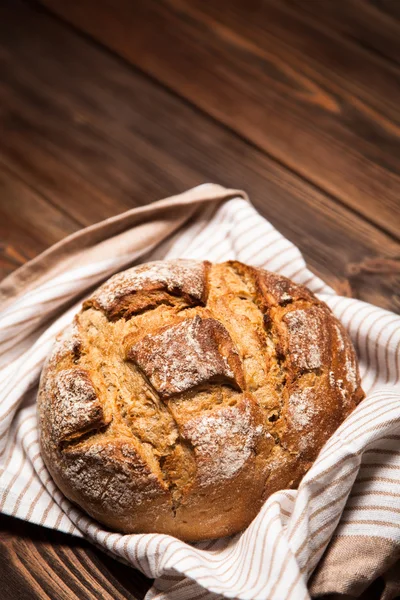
point(335, 534)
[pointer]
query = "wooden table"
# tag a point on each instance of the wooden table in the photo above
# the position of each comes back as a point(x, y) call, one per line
point(106, 105)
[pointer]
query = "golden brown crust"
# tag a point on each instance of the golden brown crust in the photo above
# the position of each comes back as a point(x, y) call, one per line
point(185, 393)
point(177, 358)
point(76, 408)
point(149, 285)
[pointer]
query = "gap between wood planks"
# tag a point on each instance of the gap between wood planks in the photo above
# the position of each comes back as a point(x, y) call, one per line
point(42, 178)
point(209, 115)
point(41, 563)
point(70, 156)
point(374, 27)
point(319, 104)
point(66, 14)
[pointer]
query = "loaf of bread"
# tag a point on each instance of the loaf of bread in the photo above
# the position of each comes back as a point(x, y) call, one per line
point(185, 393)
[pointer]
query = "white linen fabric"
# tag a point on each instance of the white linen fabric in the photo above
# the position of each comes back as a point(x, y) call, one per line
point(350, 496)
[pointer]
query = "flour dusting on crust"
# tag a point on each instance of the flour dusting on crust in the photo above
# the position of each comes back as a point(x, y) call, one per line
point(339, 385)
point(76, 407)
point(182, 356)
point(305, 338)
point(340, 339)
point(351, 371)
point(223, 442)
point(180, 275)
point(68, 342)
point(220, 383)
point(112, 474)
point(302, 408)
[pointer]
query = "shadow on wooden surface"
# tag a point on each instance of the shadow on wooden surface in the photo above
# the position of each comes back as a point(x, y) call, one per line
point(312, 100)
point(109, 105)
point(91, 136)
point(41, 563)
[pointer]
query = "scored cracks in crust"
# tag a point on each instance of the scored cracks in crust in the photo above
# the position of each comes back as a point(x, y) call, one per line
point(273, 343)
point(300, 338)
point(284, 299)
point(282, 307)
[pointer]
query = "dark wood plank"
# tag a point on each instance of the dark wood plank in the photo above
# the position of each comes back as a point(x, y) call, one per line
point(96, 137)
point(82, 132)
point(391, 7)
point(308, 97)
point(38, 563)
point(363, 21)
point(28, 223)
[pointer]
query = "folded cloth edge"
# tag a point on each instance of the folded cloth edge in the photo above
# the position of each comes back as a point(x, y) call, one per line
point(59, 256)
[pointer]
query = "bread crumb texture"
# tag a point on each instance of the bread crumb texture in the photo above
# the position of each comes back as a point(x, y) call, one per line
point(185, 393)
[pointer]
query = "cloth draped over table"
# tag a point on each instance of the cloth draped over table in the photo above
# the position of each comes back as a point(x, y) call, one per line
point(334, 535)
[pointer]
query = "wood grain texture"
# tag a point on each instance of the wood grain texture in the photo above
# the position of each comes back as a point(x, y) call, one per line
point(38, 563)
point(112, 139)
point(365, 22)
point(391, 7)
point(28, 223)
point(255, 95)
point(310, 98)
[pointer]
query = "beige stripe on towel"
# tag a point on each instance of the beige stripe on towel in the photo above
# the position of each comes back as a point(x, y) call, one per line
point(341, 527)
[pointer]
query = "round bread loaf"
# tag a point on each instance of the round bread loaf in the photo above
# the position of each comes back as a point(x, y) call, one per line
point(185, 393)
